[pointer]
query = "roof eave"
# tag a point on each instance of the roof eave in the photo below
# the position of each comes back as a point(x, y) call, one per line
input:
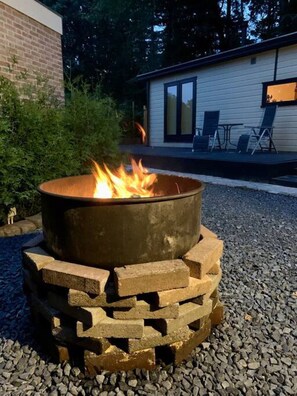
point(251, 49)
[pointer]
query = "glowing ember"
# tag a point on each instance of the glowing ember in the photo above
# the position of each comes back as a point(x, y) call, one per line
point(142, 132)
point(122, 184)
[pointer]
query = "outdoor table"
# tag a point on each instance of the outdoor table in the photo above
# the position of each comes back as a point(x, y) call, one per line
point(227, 133)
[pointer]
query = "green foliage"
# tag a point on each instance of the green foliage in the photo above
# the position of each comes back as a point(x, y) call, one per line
point(42, 139)
point(93, 122)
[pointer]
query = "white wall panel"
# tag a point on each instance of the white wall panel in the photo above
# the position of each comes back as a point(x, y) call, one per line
point(234, 88)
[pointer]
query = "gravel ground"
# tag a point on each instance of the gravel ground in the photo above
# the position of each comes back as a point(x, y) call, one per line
point(253, 352)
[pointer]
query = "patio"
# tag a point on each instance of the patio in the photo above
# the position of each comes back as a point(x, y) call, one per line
point(229, 163)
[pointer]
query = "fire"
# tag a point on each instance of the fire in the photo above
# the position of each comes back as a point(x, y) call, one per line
point(123, 184)
point(142, 132)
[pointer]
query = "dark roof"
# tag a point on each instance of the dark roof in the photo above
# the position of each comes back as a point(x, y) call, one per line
point(251, 49)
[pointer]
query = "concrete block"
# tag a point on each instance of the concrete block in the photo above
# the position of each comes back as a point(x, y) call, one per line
point(42, 308)
point(215, 270)
point(189, 312)
point(206, 233)
point(198, 324)
point(203, 256)
point(201, 300)
point(36, 220)
point(26, 226)
point(10, 230)
point(153, 338)
point(180, 350)
point(31, 285)
point(196, 288)
point(112, 328)
point(75, 276)
point(36, 258)
point(217, 314)
point(108, 299)
point(144, 310)
point(67, 335)
point(150, 277)
point(89, 316)
point(115, 359)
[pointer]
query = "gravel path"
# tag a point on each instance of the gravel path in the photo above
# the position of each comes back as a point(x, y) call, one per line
point(253, 352)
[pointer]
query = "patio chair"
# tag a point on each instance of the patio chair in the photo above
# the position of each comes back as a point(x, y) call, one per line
point(262, 135)
point(206, 137)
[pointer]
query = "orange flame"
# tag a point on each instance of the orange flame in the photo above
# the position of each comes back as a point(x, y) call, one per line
point(142, 132)
point(123, 184)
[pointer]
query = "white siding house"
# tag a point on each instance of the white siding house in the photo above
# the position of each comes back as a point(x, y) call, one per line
point(231, 82)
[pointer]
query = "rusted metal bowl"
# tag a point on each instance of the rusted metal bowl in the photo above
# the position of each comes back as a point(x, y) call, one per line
point(108, 233)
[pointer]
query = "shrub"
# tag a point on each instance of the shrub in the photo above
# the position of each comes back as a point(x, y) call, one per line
point(94, 124)
point(43, 139)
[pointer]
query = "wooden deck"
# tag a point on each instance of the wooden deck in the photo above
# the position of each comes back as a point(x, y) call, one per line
point(230, 164)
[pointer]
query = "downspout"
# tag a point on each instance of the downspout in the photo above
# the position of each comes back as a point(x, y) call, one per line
point(148, 87)
point(275, 64)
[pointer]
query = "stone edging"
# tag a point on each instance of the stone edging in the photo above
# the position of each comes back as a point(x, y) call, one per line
point(30, 224)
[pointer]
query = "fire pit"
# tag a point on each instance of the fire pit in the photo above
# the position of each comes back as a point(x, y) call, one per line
point(113, 232)
point(119, 283)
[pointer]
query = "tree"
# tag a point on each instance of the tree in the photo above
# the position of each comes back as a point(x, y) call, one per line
point(234, 24)
point(288, 16)
point(190, 29)
point(109, 41)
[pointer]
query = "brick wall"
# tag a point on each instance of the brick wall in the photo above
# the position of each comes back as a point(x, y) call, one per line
point(29, 46)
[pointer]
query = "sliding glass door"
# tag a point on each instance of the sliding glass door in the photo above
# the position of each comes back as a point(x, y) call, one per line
point(180, 110)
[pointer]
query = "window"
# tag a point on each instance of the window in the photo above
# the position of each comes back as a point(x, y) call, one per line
point(180, 110)
point(282, 92)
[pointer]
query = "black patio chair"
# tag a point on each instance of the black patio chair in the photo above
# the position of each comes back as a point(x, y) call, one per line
point(206, 137)
point(262, 135)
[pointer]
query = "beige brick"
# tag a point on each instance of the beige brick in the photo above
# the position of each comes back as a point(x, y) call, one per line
point(213, 293)
point(217, 314)
point(10, 230)
point(108, 299)
point(206, 233)
point(75, 276)
point(215, 281)
point(31, 285)
point(198, 324)
point(42, 307)
point(67, 335)
point(36, 258)
point(182, 349)
point(189, 312)
point(215, 301)
point(109, 327)
point(143, 310)
point(196, 288)
point(61, 354)
point(115, 359)
point(150, 277)
point(153, 338)
point(215, 270)
point(36, 220)
point(26, 226)
point(205, 297)
point(203, 256)
point(89, 316)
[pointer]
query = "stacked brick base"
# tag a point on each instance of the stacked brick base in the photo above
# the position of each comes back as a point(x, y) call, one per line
point(129, 317)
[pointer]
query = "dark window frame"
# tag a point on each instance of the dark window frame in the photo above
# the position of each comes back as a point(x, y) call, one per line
point(180, 137)
point(277, 82)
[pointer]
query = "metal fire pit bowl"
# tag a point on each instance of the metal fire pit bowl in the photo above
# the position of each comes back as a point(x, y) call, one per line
point(109, 233)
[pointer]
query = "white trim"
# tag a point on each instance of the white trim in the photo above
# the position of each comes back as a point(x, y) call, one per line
point(38, 12)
